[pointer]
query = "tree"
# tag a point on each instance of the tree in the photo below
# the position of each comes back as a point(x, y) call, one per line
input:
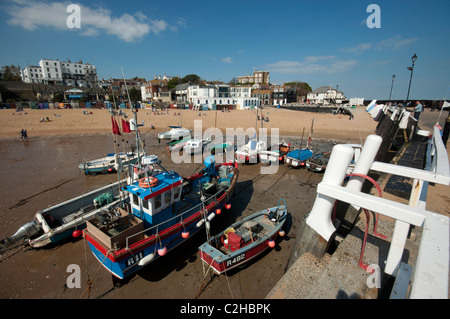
point(58, 97)
point(302, 88)
point(192, 78)
point(135, 95)
point(173, 83)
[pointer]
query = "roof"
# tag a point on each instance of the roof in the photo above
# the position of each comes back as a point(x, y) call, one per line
point(182, 86)
point(324, 89)
point(165, 182)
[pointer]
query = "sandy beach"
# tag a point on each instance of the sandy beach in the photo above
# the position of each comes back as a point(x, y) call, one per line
point(65, 122)
point(43, 171)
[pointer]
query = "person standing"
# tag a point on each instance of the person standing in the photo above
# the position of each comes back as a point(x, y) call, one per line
point(417, 110)
point(446, 130)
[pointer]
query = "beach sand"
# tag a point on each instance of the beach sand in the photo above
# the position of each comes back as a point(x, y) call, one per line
point(44, 171)
point(289, 122)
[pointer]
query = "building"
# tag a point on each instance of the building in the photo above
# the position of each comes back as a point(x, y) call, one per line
point(62, 73)
point(283, 95)
point(263, 92)
point(257, 77)
point(325, 95)
point(155, 90)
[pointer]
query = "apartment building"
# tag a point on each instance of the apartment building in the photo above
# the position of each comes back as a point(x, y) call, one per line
point(257, 77)
point(61, 72)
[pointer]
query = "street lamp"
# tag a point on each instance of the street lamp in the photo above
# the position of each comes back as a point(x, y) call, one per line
point(392, 85)
point(411, 68)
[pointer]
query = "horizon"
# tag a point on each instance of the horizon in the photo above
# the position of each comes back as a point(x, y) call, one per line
point(353, 46)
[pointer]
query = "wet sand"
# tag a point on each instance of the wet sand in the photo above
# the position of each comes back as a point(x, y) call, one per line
point(43, 171)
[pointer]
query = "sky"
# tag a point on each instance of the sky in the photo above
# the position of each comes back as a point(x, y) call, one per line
point(346, 44)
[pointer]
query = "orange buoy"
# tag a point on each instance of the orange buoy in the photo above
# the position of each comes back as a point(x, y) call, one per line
point(227, 206)
point(218, 211)
point(143, 182)
point(281, 233)
point(271, 243)
point(185, 234)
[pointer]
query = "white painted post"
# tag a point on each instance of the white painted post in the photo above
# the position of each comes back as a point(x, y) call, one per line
point(319, 218)
point(365, 161)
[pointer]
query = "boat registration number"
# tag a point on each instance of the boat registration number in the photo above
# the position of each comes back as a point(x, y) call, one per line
point(235, 260)
point(135, 258)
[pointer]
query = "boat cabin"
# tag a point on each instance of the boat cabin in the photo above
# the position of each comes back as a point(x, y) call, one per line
point(151, 197)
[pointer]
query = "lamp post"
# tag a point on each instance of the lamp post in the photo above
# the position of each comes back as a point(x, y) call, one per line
point(392, 85)
point(411, 68)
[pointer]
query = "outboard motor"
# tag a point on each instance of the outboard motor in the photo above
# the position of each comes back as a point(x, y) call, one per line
point(27, 230)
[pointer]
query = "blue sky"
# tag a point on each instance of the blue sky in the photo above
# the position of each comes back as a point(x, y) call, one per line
point(318, 42)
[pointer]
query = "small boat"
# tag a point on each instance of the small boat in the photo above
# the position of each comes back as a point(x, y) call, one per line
point(217, 148)
point(110, 163)
point(318, 162)
point(63, 220)
point(196, 145)
point(249, 153)
point(244, 240)
point(164, 211)
point(276, 153)
point(175, 133)
point(178, 145)
point(297, 158)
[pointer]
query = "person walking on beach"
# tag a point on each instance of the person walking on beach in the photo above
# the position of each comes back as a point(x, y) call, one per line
point(417, 110)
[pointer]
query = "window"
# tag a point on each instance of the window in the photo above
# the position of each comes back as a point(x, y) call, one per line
point(145, 204)
point(167, 196)
point(157, 201)
point(135, 200)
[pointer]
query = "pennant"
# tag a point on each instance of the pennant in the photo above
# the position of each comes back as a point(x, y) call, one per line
point(126, 126)
point(115, 127)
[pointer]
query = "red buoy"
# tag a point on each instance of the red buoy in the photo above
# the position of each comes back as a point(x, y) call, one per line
point(227, 206)
point(218, 211)
point(162, 251)
point(271, 243)
point(185, 234)
point(76, 233)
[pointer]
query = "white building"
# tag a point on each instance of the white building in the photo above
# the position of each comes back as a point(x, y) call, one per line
point(57, 72)
point(32, 74)
point(325, 95)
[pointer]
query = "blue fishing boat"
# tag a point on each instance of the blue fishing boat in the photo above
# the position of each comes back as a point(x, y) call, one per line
point(244, 240)
point(165, 210)
point(297, 158)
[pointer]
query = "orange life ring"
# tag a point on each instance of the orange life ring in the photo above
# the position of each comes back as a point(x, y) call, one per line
point(143, 182)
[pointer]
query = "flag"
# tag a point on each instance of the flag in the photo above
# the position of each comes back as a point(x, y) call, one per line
point(115, 127)
point(126, 126)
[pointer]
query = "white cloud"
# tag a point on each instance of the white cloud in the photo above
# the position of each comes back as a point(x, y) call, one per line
point(227, 60)
point(395, 43)
point(311, 65)
point(32, 15)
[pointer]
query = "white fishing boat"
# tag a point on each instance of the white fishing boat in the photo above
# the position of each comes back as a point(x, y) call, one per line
point(110, 163)
point(174, 134)
point(196, 145)
point(249, 153)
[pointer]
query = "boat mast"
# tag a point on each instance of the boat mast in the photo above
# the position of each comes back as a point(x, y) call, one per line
point(135, 119)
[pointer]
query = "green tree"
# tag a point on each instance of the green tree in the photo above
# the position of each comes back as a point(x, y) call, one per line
point(173, 83)
point(58, 97)
point(302, 88)
point(192, 78)
point(135, 95)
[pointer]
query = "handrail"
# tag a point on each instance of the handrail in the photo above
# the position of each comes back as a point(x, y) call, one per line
point(431, 274)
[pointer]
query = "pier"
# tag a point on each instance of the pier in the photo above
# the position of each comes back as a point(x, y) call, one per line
point(405, 257)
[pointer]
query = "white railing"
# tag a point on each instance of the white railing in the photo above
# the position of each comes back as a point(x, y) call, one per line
point(431, 271)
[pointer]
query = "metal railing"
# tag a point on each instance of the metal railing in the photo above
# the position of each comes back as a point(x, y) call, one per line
point(431, 271)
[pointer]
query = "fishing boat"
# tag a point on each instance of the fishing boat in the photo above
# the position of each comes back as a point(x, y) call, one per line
point(165, 210)
point(59, 222)
point(297, 158)
point(178, 144)
point(249, 153)
point(217, 148)
point(318, 162)
point(196, 145)
point(244, 240)
point(109, 163)
point(275, 154)
point(175, 133)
